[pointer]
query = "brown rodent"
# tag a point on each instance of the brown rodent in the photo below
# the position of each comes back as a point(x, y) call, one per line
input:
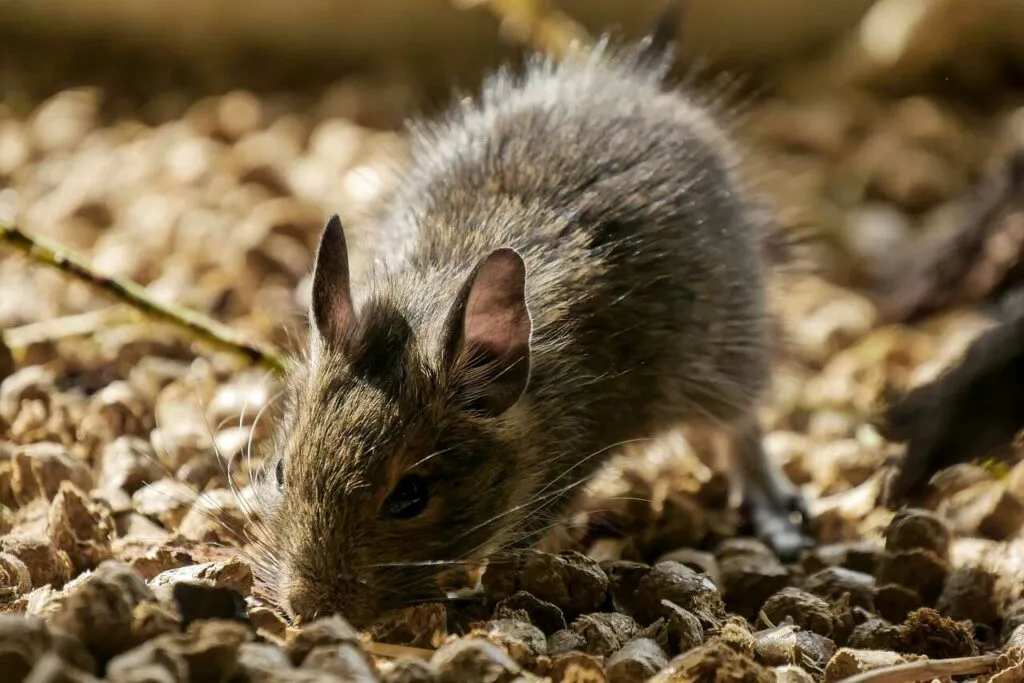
point(567, 265)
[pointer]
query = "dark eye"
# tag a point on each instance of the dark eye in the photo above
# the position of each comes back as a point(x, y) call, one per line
point(279, 471)
point(408, 499)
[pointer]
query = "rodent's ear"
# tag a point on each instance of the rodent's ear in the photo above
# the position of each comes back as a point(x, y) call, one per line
point(331, 305)
point(489, 329)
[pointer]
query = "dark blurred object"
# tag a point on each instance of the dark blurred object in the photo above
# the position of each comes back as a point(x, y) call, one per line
point(197, 601)
point(982, 259)
point(973, 411)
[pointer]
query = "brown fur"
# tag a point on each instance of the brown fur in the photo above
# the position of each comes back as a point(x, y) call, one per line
point(645, 282)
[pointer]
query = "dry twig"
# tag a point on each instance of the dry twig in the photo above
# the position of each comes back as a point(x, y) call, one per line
point(537, 23)
point(199, 326)
point(926, 669)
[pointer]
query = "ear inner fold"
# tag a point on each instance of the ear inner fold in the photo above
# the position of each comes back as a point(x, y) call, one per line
point(331, 298)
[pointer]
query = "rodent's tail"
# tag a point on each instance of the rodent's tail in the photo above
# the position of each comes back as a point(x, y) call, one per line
point(659, 44)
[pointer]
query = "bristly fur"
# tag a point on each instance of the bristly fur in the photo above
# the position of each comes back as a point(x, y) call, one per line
point(646, 262)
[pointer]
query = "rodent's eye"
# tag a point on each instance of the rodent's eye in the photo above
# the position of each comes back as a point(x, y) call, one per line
point(408, 499)
point(279, 471)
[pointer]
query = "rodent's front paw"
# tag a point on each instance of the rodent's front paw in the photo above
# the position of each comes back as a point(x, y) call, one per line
point(774, 524)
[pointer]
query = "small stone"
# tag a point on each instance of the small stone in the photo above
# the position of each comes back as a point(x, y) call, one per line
point(807, 611)
point(636, 662)
point(52, 669)
point(564, 641)
point(474, 659)
point(750, 574)
point(38, 470)
point(571, 581)
point(410, 670)
point(547, 617)
point(928, 633)
point(912, 529)
point(235, 574)
point(166, 501)
point(63, 121)
point(81, 528)
point(605, 632)
point(577, 667)
point(895, 602)
point(522, 640)
point(985, 509)
point(15, 580)
point(969, 594)
point(849, 662)
point(623, 579)
point(875, 634)
point(792, 674)
point(259, 661)
point(45, 563)
point(207, 649)
point(424, 625)
point(214, 518)
point(712, 663)
point(920, 570)
point(99, 610)
point(269, 621)
point(681, 586)
point(23, 641)
point(345, 660)
point(116, 410)
point(835, 582)
point(697, 560)
point(329, 631)
point(128, 463)
point(197, 601)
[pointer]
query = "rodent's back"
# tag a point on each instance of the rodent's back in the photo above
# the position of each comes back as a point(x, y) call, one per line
point(645, 255)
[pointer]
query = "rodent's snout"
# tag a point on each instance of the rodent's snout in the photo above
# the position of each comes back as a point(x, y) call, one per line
point(306, 601)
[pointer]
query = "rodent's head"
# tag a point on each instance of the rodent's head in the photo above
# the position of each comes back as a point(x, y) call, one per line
point(398, 444)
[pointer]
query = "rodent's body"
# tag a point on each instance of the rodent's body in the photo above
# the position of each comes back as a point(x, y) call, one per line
point(644, 279)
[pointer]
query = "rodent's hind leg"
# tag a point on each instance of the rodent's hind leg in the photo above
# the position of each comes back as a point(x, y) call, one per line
point(776, 509)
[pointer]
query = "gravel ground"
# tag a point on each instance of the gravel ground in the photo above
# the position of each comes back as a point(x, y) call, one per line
point(127, 449)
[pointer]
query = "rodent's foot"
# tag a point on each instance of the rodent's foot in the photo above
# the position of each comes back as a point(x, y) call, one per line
point(774, 523)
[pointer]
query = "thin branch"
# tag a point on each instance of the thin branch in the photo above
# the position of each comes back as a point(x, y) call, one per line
point(199, 326)
point(76, 325)
point(537, 23)
point(926, 669)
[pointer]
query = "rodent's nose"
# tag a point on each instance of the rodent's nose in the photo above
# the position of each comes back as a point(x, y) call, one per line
point(306, 602)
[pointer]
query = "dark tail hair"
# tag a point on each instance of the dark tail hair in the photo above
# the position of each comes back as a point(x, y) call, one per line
point(660, 41)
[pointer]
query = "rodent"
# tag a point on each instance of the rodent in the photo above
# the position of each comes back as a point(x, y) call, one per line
point(567, 264)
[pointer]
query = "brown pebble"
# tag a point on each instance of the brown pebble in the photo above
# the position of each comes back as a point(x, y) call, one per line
point(681, 586)
point(985, 509)
point(636, 662)
point(39, 468)
point(569, 580)
point(895, 602)
point(474, 659)
point(166, 501)
point(791, 674)
point(545, 616)
point(697, 560)
point(875, 634)
point(750, 574)
point(605, 632)
point(328, 631)
point(623, 580)
point(269, 621)
point(100, 610)
point(424, 625)
point(804, 609)
point(45, 563)
point(921, 570)
point(259, 661)
point(577, 667)
point(410, 670)
point(345, 660)
point(128, 463)
point(790, 645)
point(23, 641)
point(849, 662)
point(564, 641)
point(206, 653)
point(928, 633)
point(15, 579)
point(235, 574)
point(913, 529)
point(714, 662)
point(81, 528)
point(52, 669)
point(522, 640)
point(969, 594)
point(677, 632)
point(834, 582)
